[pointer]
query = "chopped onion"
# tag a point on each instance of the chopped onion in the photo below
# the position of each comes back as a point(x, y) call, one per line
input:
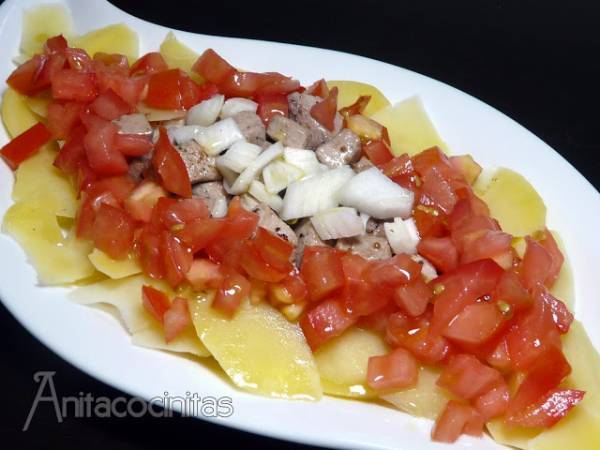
point(278, 175)
point(402, 235)
point(236, 105)
point(306, 197)
point(133, 124)
point(206, 112)
point(337, 223)
point(259, 192)
point(374, 193)
point(219, 208)
point(365, 219)
point(186, 133)
point(427, 270)
point(239, 156)
point(219, 136)
point(305, 160)
point(242, 183)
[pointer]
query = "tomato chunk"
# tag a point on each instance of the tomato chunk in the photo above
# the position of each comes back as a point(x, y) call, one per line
point(109, 106)
point(63, 118)
point(494, 402)
point(325, 321)
point(274, 250)
point(396, 370)
point(113, 231)
point(322, 272)
point(149, 63)
point(72, 153)
point(25, 145)
point(455, 420)
point(468, 378)
point(379, 153)
point(256, 267)
point(212, 67)
point(325, 111)
point(320, 89)
point(69, 84)
point(511, 291)
point(441, 252)
point(171, 213)
point(476, 324)
point(147, 248)
point(168, 164)
point(536, 264)
point(155, 302)
point(204, 274)
point(270, 104)
point(176, 319)
point(416, 336)
point(199, 233)
point(103, 157)
point(234, 289)
point(177, 259)
point(142, 200)
point(552, 407)
point(414, 297)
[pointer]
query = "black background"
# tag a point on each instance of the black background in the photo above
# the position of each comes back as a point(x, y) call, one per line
point(536, 61)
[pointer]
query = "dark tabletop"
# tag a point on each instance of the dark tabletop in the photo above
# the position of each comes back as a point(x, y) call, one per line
point(538, 62)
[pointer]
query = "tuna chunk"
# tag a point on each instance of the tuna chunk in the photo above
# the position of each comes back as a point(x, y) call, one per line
point(307, 236)
point(300, 105)
point(200, 166)
point(214, 195)
point(363, 164)
point(367, 246)
point(138, 167)
point(375, 227)
point(290, 133)
point(251, 127)
point(269, 220)
point(343, 148)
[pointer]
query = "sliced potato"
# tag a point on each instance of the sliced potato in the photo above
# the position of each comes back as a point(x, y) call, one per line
point(57, 260)
point(39, 103)
point(186, 342)
point(179, 55)
point(114, 269)
point(16, 114)
point(349, 91)
point(42, 22)
point(563, 287)
point(342, 362)
point(426, 399)
point(258, 349)
point(117, 38)
point(410, 129)
point(513, 202)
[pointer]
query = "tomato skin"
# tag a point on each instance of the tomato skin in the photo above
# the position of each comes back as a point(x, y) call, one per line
point(441, 252)
point(276, 83)
point(234, 289)
point(322, 272)
point(177, 259)
point(155, 302)
point(274, 250)
point(455, 420)
point(325, 111)
point(55, 44)
point(494, 402)
point(28, 79)
point(212, 67)
point(204, 274)
point(164, 90)
point(176, 319)
point(325, 321)
point(475, 324)
point(414, 297)
point(379, 153)
point(110, 106)
point(536, 264)
point(270, 104)
point(552, 407)
point(63, 118)
point(561, 315)
point(112, 231)
point(357, 107)
point(320, 89)
point(467, 378)
point(241, 84)
point(69, 84)
point(103, 157)
point(396, 370)
point(25, 145)
point(72, 152)
point(147, 64)
point(168, 164)
point(550, 245)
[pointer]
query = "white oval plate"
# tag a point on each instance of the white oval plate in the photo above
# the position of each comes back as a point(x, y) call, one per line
point(97, 344)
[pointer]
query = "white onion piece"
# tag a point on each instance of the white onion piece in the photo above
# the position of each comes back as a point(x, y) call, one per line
point(402, 235)
point(306, 197)
point(219, 208)
point(259, 192)
point(237, 105)
point(251, 172)
point(374, 193)
point(427, 270)
point(305, 160)
point(206, 112)
point(133, 124)
point(278, 175)
point(184, 134)
point(365, 219)
point(337, 223)
point(219, 136)
point(239, 156)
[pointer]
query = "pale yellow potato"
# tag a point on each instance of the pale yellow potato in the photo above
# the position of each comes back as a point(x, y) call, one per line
point(39, 103)
point(112, 268)
point(57, 260)
point(40, 184)
point(179, 55)
point(186, 342)
point(563, 287)
point(117, 38)
point(513, 202)
point(42, 22)
point(342, 362)
point(349, 91)
point(410, 129)
point(426, 399)
point(16, 114)
point(258, 349)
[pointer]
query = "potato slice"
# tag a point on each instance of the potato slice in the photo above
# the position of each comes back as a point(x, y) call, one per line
point(113, 268)
point(179, 55)
point(57, 260)
point(40, 184)
point(42, 22)
point(349, 91)
point(16, 114)
point(258, 349)
point(39, 103)
point(513, 202)
point(126, 296)
point(410, 129)
point(117, 38)
point(563, 287)
point(342, 362)
point(426, 399)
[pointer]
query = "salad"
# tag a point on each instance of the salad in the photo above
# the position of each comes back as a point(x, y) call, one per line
point(293, 234)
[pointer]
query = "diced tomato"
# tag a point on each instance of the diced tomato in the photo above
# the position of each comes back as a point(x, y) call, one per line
point(292, 289)
point(212, 67)
point(241, 223)
point(413, 297)
point(256, 267)
point(274, 250)
point(385, 275)
point(69, 84)
point(476, 324)
point(133, 144)
point(25, 145)
point(270, 104)
point(320, 89)
point(378, 152)
point(55, 44)
point(467, 378)
point(455, 420)
point(191, 94)
point(72, 152)
point(561, 315)
point(485, 244)
point(109, 106)
point(550, 245)
point(400, 170)
point(164, 90)
point(103, 157)
point(467, 167)
point(378, 320)
point(396, 370)
point(358, 297)
point(199, 233)
point(142, 200)
point(206, 90)
point(499, 357)
point(441, 252)
point(29, 78)
point(129, 89)
point(204, 274)
point(176, 319)
point(325, 321)
point(241, 84)
point(322, 272)
point(155, 302)
point(63, 117)
point(147, 247)
point(416, 336)
point(167, 162)
point(234, 289)
point(437, 191)
point(465, 228)
point(78, 59)
point(170, 213)
point(177, 259)
point(112, 231)
point(114, 62)
point(511, 291)
point(357, 107)
point(430, 222)
point(432, 157)
point(494, 402)
point(325, 111)
point(148, 64)
point(552, 407)
point(276, 83)
point(536, 264)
